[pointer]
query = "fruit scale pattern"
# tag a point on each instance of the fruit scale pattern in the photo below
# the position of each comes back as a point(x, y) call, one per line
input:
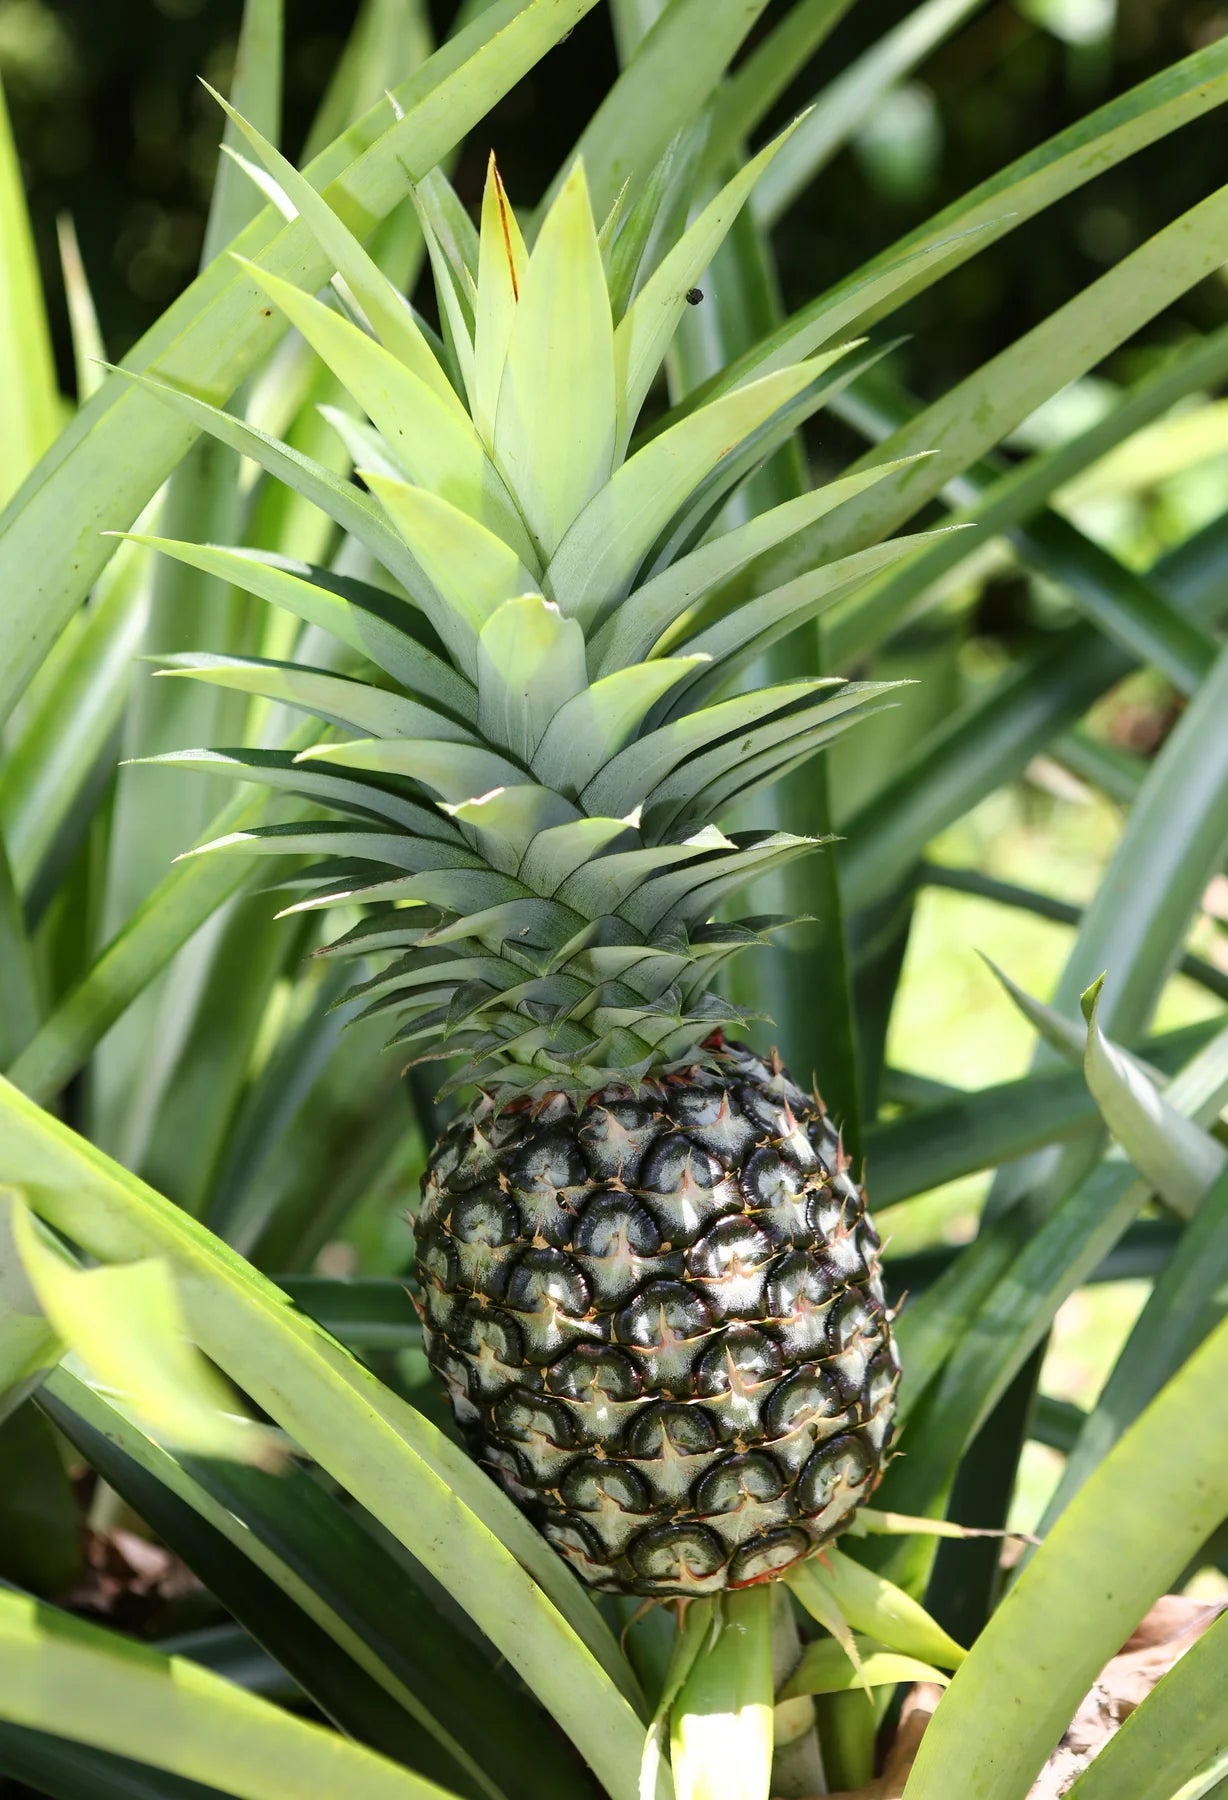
point(659, 1315)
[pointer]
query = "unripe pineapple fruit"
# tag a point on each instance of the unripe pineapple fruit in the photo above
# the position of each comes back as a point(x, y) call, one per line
point(658, 1313)
point(647, 1277)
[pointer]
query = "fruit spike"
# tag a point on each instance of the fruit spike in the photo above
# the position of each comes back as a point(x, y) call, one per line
point(648, 1281)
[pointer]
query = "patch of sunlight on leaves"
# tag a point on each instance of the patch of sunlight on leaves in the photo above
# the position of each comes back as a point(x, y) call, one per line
point(950, 1021)
point(1209, 1585)
point(1088, 1335)
point(944, 1215)
point(1040, 1470)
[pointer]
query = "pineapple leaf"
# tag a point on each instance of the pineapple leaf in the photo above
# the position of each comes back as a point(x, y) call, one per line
point(501, 274)
point(504, 822)
point(721, 1723)
point(454, 771)
point(649, 222)
point(825, 1668)
point(392, 849)
point(591, 728)
point(555, 417)
point(731, 642)
point(594, 565)
point(347, 505)
point(785, 752)
point(602, 886)
point(388, 311)
point(278, 769)
point(530, 664)
point(27, 367)
point(340, 700)
point(649, 323)
point(1173, 1153)
point(875, 1606)
point(560, 850)
point(362, 443)
point(369, 619)
point(432, 439)
point(126, 1323)
point(648, 612)
point(473, 570)
point(29, 1343)
point(628, 778)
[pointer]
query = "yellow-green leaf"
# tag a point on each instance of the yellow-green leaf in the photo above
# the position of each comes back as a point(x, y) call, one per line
point(554, 423)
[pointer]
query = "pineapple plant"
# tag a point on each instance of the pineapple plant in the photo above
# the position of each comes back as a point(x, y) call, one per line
point(224, 1131)
point(648, 1278)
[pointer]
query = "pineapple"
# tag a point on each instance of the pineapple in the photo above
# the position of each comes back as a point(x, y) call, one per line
point(648, 1279)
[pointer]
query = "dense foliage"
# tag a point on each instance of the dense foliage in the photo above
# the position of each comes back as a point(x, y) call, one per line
point(244, 1550)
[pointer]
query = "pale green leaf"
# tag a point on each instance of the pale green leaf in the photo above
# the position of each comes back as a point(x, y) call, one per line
point(21, 1007)
point(353, 510)
point(555, 418)
point(1179, 1159)
point(676, 56)
point(366, 618)
point(594, 565)
point(388, 312)
point(418, 1484)
point(848, 101)
point(504, 822)
point(602, 886)
point(721, 1725)
point(530, 664)
point(1085, 1590)
point(29, 1343)
point(874, 1606)
point(630, 633)
point(455, 772)
point(632, 775)
point(66, 1676)
point(118, 451)
point(1167, 1739)
point(649, 323)
point(347, 840)
point(33, 411)
point(750, 629)
point(473, 569)
point(337, 698)
point(590, 729)
point(278, 769)
point(562, 849)
point(433, 439)
point(89, 355)
point(824, 1668)
point(256, 90)
point(502, 265)
point(126, 1323)
point(767, 71)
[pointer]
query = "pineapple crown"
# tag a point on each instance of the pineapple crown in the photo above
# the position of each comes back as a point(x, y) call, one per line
point(527, 719)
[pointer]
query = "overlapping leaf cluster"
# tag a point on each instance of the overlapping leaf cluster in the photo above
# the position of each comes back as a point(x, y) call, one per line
point(159, 1011)
point(526, 769)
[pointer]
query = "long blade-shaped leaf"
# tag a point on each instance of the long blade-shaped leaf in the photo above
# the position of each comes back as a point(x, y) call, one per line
point(416, 1483)
point(121, 446)
point(32, 409)
point(1085, 1591)
point(60, 1674)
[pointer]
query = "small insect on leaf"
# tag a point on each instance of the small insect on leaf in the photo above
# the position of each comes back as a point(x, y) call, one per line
point(694, 296)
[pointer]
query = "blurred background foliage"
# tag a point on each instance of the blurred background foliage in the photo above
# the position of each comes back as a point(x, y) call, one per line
point(114, 130)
